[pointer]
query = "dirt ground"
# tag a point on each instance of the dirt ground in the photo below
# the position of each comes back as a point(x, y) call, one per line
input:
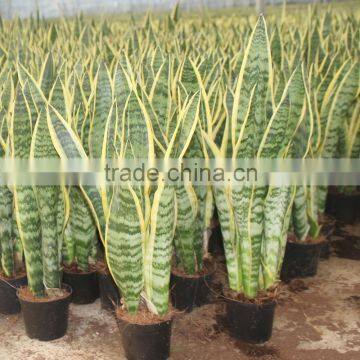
point(317, 318)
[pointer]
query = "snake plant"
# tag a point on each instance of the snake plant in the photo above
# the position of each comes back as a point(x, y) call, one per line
point(254, 219)
point(336, 112)
point(40, 210)
point(194, 203)
point(142, 220)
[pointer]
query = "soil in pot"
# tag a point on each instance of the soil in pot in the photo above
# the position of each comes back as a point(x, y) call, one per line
point(301, 258)
point(9, 302)
point(189, 291)
point(45, 318)
point(85, 285)
point(145, 336)
point(250, 321)
point(109, 292)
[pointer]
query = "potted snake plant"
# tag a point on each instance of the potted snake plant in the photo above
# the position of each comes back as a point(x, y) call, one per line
point(141, 263)
point(307, 240)
point(80, 250)
point(255, 218)
point(140, 227)
point(191, 276)
point(40, 213)
point(97, 118)
point(343, 201)
point(80, 245)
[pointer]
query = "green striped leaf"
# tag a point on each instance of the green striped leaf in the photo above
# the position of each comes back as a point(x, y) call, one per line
point(160, 247)
point(230, 235)
point(277, 210)
point(187, 236)
point(102, 105)
point(248, 202)
point(124, 245)
point(343, 100)
point(300, 220)
point(83, 229)
point(6, 239)
point(255, 70)
point(47, 197)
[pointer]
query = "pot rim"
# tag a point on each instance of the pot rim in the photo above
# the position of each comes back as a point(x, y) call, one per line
point(213, 266)
point(308, 245)
point(120, 320)
point(68, 296)
point(170, 317)
point(14, 279)
point(270, 303)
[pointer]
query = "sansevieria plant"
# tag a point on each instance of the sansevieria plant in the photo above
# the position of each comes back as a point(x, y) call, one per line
point(335, 117)
point(195, 203)
point(39, 210)
point(244, 210)
point(255, 218)
point(141, 264)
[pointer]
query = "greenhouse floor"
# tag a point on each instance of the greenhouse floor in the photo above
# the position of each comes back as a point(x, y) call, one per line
point(316, 318)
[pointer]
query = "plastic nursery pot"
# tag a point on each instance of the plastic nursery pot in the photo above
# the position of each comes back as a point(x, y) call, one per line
point(188, 292)
point(9, 302)
point(301, 260)
point(145, 342)
point(109, 292)
point(46, 319)
point(248, 322)
point(85, 286)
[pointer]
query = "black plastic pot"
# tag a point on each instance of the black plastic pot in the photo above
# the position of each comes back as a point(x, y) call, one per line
point(190, 292)
point(109, 292)
point(344, 207)
point(250, 322)
point(301, 260)
point(9, 302)
point(146, 342)
point(46, 320)
point(85, 286)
